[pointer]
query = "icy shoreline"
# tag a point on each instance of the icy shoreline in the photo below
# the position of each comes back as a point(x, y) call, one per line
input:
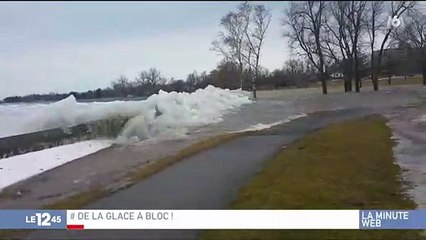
point(178, 111)
point(163, 115)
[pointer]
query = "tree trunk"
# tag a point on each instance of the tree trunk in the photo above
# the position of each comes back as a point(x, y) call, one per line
point(253, 82)
point(373, 74)
point(321, 69)
point(240, 69)
point(350, 88)
point(424, 77)
point(375, 84)
point(424, 73)
point(357, 80)
point(256, 75)
point(324, 85)
point(424, 66)
point(372, 57)
point(346, 82)
point(379, 59)
point(323, 79)
point(348, 76)
point(357, 87)
point(376, 79)
point(254, 89)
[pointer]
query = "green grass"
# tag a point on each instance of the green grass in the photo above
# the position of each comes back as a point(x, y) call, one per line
point(348, 165)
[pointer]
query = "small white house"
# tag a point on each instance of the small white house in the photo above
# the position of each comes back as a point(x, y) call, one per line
point(336, 75)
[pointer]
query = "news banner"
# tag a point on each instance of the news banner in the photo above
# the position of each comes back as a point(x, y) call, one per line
point(212, 219)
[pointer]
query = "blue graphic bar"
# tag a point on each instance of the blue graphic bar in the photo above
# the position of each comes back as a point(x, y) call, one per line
point(368, 219)
point(33, 219)
point(392, 219)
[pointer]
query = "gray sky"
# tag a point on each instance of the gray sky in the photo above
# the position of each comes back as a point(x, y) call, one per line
point(64, 46)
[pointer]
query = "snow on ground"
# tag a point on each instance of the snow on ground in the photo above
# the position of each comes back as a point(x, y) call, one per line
point(162, 113)
point(422, 118)
point(261, 126)
point(21, 167)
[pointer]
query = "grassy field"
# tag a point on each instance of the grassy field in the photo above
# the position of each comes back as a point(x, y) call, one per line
point(348, 165)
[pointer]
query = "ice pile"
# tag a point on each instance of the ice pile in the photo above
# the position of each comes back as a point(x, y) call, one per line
point(14, 116)
point(161, 114)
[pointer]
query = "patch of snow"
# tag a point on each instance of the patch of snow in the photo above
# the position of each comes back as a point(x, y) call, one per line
point(262, 126)
point(17, 168)
point(422, 118)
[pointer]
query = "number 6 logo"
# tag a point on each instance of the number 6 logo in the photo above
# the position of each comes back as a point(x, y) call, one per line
point(394, 22)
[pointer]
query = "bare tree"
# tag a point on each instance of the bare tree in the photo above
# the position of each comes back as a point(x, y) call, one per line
point(231, 40)
point(122, 85)
point(375, 21)
point(337, 39)
point(255, 36)
point(394, 9)
point(306, 22)
point(152, 77)
point(414, 34)
point(192, 80)
point(356, 15)
point(294, 66)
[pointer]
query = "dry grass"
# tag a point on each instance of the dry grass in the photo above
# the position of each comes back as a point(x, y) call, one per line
point(348, 165)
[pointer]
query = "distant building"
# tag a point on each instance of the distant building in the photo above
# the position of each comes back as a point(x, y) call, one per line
point(336, 75)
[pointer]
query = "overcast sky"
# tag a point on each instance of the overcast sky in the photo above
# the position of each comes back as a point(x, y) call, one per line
point(77, 46)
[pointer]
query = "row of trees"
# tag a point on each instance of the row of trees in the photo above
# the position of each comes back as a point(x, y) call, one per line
point(226, 75)
point(340, 32)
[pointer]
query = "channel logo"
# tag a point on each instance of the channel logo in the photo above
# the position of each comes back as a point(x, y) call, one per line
point(394, 22)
